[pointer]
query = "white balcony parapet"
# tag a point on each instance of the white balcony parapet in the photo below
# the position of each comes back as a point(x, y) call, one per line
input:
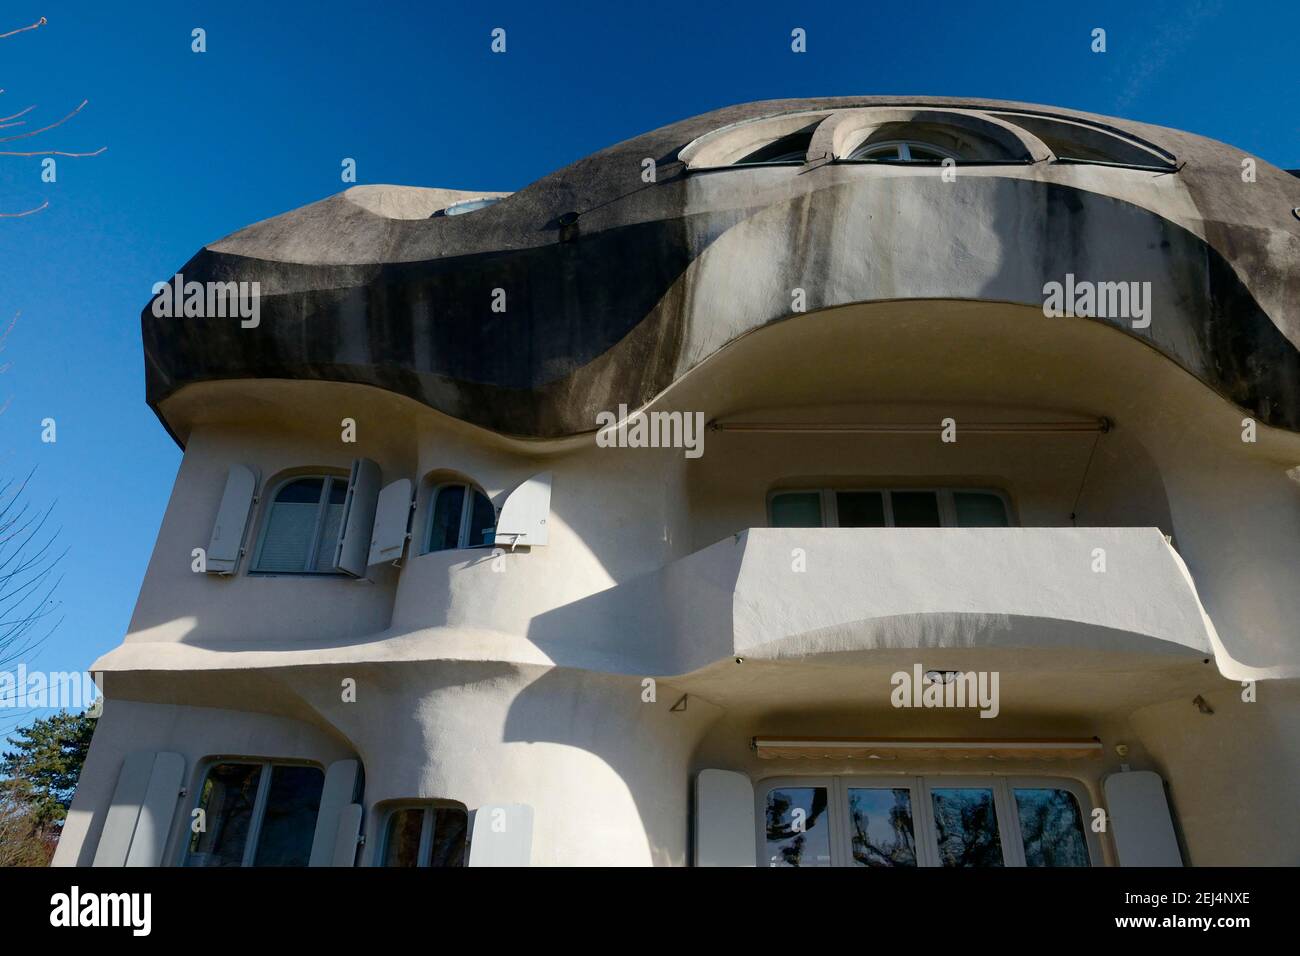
point(776, 593)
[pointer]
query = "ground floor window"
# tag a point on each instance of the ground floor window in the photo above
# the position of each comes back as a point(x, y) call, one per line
point(924, 821)
point(255, 814)
point(425, 835)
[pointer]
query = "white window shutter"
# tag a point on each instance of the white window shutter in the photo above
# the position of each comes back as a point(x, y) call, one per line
point(501, 836)
point(144, 803)
point(157, 811)
point(392, 522)
point(1140, 820)
point(525, 514)
point(358, 518)
point(724, 819)
point(335, 799)
point(232, 518)
point(124, 812)
point(348, 835)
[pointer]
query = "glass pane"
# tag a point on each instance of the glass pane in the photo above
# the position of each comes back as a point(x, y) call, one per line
point(1052, 828)
point(289, 823)
point(449, 826)
point(469, 205)
point(977, 509)
point(290, 525)
point(798, 827)
point(304, 491)
point(880, 823)
point(920, 152)
point(968, 827)
point(860, 509)
point(800, 509)
point(444, 529)
point(792, 148)
point(227, 799)
point(877, 152)
point(482, 520)
point(329, 526)
point(915, 509)
point(402, 841)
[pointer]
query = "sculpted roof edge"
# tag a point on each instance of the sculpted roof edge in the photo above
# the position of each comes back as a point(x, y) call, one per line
point(601, 277)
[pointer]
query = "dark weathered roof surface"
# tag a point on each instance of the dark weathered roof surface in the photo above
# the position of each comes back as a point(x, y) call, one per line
point(599, 312)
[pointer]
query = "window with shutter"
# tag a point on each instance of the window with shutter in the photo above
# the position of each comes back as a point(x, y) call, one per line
point(460, 516)
point(301, 529)
point(256, 814)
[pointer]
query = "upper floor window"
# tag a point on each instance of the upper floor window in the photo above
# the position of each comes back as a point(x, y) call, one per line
point(256, 814)
point(787, 149)
point(906, 151)
point(889, 508)
point(425, 836)
point(461, 516)
point(923, 821)
point(301, 530)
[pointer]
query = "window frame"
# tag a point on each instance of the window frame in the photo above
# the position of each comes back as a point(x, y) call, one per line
point(313, 550)
point(425, 850)
point(944, 493)
point(903, 146)
point(258, 813)
point(925, 831)
point(466, 513)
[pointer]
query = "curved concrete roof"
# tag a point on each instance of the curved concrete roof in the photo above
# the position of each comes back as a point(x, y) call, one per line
point(616, 288)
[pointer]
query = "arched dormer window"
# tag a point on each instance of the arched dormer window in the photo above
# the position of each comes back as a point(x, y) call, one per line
point(460, 516)
point(301, 529)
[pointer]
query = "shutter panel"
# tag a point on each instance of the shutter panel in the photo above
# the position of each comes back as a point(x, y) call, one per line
point(119, 824)
point(501, 836)
point(347, 836)
point(1140, 820)
point(724, 819)
point(144, 804)
point(524, 515)
point(336, 796)
point(232, 519)
point(158, 810)
point(392, 521)
point(358, 518)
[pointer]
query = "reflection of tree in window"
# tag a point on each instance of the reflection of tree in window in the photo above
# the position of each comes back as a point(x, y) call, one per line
point(968, 827)
point(1052, 828)
point(881, 821)
point(794, 844)
point(227, 798)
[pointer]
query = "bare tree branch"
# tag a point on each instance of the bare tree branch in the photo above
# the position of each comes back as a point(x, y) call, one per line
point(39, 23)
point(28, 212)
point(8, 122)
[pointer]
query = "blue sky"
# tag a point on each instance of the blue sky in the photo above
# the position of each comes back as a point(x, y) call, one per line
point(202, 144)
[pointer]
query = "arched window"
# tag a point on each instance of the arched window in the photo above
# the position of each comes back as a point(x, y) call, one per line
point(430, 834)
point(787, 149)
point(906, 151)
point(301, 529)
point(460, 516)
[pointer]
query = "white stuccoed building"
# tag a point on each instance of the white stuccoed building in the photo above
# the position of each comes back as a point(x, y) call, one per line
point(946, 519)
